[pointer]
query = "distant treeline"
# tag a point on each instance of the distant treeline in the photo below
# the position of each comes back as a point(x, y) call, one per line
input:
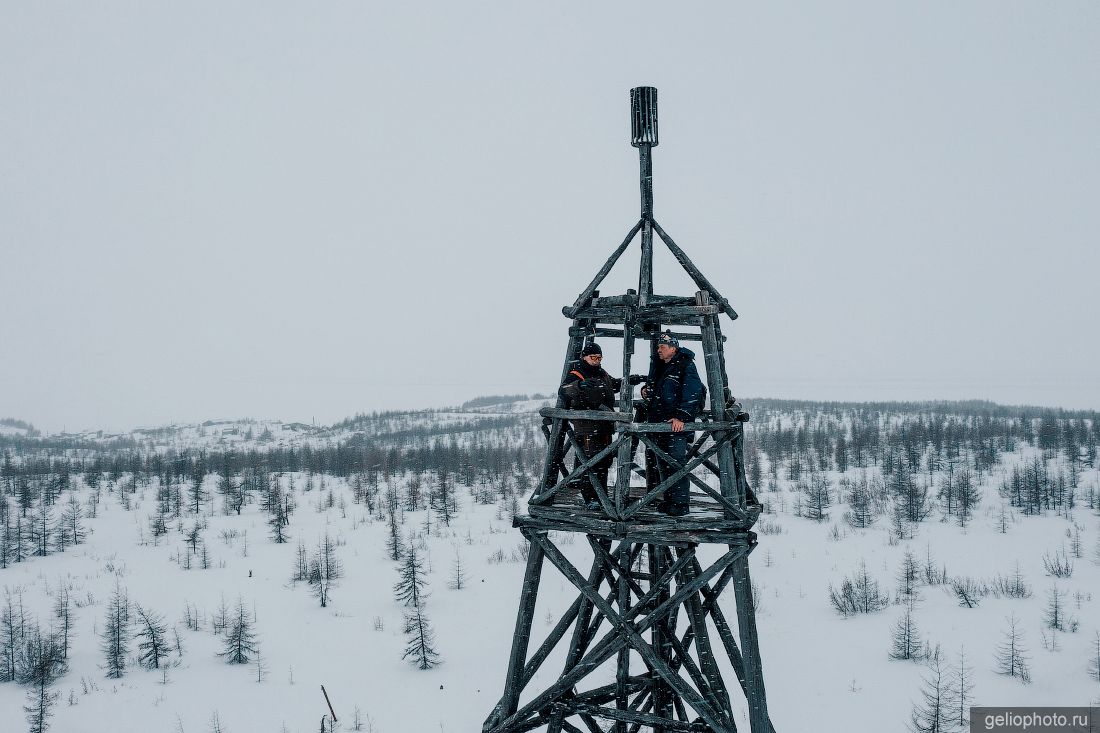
point(11, 422)
point(500, 399)
point(896, 462)
point(790, 435)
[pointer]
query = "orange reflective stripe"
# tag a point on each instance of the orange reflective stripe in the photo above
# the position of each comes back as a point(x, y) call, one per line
point(579, 375)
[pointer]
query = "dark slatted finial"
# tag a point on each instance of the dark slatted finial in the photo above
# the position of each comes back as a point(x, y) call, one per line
point(643, 116)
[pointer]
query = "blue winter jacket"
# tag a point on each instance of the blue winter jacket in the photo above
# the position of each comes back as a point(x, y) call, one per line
point(675, 388)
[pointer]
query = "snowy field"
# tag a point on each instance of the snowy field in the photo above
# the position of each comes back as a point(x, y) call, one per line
point(823, 671)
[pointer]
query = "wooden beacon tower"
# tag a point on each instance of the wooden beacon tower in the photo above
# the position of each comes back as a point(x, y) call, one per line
point(640, 641)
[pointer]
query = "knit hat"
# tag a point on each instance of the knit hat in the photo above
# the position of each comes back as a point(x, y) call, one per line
point(668, 339)
point(591, 348)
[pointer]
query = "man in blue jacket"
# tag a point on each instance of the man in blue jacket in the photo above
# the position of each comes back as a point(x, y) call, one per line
point(676, 396)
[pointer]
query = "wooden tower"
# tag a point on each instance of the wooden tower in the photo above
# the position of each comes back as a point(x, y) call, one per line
point(640, 640)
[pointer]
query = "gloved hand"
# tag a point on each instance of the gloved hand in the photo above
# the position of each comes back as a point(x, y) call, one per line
point(636, 379)
point(592, 393)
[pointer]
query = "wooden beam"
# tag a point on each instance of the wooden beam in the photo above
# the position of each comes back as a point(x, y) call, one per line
point(599, 489)
point(622, 673)
point(662, 632)
point(554, 453)
point(706, 514)
point(645, 270)
point(750, 648)
point(580, 470)
point(567, 619)
point(685, 471)
point(586, 294)
point(711, 607)
point(698, 623)
point(600, 415)
point(612, 642)
point(664, 427)
point(696, 275)
point(674, 314)
point(513, 683)
point(581, 638)
point(668, 534)
point(646, 719)
point(632, 637)
point(614, 566)
point(617, 333)
point(683, 659)
point(728, 475)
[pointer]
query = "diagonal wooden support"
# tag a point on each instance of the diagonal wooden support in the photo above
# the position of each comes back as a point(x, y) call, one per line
point(644, 719)
point(548, 494)
point(590, 474)
point(513, 683)
point(583, 633)
point(685, 470)
point(632, 637)
point(612, 642)
point(595, 578)
point(694, 272)
point(710, 670)
point(682, 658)
point(586, 294)
point(726, 635)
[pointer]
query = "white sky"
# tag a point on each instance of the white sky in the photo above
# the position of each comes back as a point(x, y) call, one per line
point(301, 211)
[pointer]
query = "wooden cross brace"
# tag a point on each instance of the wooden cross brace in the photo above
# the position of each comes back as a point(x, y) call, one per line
point(585, 470)
point(643, 610)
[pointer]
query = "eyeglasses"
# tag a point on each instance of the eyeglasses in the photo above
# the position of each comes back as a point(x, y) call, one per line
point(597, 357)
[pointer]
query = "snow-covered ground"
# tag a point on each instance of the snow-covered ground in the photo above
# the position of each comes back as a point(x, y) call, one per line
point(823, 672)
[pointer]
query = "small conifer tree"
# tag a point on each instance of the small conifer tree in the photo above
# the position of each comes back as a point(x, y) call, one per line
point(152, 636)
point(44, 665)
point(962, 687)
point(115, 638)
point(458, 572)
point(908, 575)
point(906, 641)
point(411, 584)
point(932, 714)
point(1094, 658)
point(421, 640)
point(240, 638)
point(62, 609)
point(1011, 657)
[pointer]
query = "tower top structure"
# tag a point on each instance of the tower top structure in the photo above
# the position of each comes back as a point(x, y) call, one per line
point(680, 686)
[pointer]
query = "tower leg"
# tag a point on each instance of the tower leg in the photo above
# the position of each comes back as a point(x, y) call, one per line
point(750, 645)
point(578, 645)
point(660, 694)
point(555, 455)
point(513, 683)
point(707, 663)
point(716, 380)
point(625, 458)
point(622, 693)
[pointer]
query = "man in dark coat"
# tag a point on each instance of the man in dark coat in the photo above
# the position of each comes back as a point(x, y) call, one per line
point(676, 396)
point(589, 387)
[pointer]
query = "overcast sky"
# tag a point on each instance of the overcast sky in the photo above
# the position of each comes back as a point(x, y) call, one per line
point(306, 210)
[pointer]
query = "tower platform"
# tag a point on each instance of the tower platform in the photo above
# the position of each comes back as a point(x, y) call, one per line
point(705, 522)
